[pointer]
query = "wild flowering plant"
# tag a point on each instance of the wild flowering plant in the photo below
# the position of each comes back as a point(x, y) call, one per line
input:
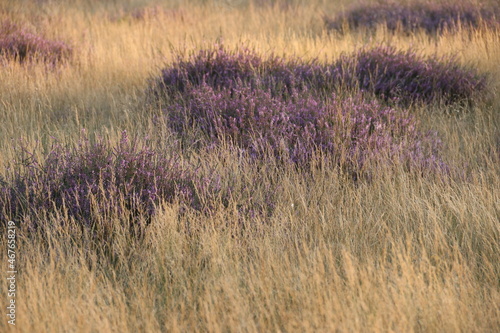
point(408, 77)
point(290, 108)
point(352, 131)
point(383, 71)
point(97, 179)
point(221, 68)
point(20, 44)
point(216, 67)
point(430, 17)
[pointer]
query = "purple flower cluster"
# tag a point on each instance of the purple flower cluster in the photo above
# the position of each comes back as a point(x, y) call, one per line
point(18, 43)
point(291, 109)
point(221, 68)
point(216, 67)
point(97, 179)
point(383, 71)
point(432, 18)
point(351, 131)
point(392, 74)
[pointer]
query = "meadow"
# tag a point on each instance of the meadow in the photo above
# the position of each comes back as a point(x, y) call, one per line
point(251, 165)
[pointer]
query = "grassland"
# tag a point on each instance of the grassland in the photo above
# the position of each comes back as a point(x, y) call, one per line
point(400, 251)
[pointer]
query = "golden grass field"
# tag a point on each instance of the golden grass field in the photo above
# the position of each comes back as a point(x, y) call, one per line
point(400, 253)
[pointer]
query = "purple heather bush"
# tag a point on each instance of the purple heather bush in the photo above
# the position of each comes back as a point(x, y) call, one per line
point(97, 179)
point(221, 68)
point(291, 109)
point(410, 78)
point(351, 131)
point(216, 67)
point(383, 71)
point(18, 43)
point(430, 17)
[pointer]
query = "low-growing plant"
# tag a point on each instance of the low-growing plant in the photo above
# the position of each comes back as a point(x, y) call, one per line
point(352, 131)
point(18, 43)
point(99, 180)
point(429, 17)
point(409, 78)
point(221, 68)
point(289, 108)
point(216, 67)
point(384, 71)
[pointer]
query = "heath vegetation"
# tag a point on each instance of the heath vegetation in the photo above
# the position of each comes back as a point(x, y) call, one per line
point(407, 17)
point(251, 165)
point(18, 43)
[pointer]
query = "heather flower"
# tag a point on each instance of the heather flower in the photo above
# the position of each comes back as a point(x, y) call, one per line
point(20, 44)
point(220, 68)
point(409, 78)
point(290, 109)
point(383, 71)
point(99, 180)
point(215, 67)
point(351, 131)
point(429, 17)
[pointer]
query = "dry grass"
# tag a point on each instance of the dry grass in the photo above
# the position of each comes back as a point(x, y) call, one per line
point(400, 253)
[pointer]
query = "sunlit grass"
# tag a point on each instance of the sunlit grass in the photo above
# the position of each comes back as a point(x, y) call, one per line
point(398, 251)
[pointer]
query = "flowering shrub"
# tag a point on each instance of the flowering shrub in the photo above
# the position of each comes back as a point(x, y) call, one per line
point(220, 68)
point(98, 180)
point(285, 106)
point(432, 18)
point(383, 71)
point(19, 44)
point(215, 67)
point(391, 74)
point(352, 130)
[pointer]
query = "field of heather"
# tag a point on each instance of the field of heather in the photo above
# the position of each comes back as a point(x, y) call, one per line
point(250, 166)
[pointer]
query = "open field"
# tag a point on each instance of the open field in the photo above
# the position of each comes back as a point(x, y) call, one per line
point(144, 202)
